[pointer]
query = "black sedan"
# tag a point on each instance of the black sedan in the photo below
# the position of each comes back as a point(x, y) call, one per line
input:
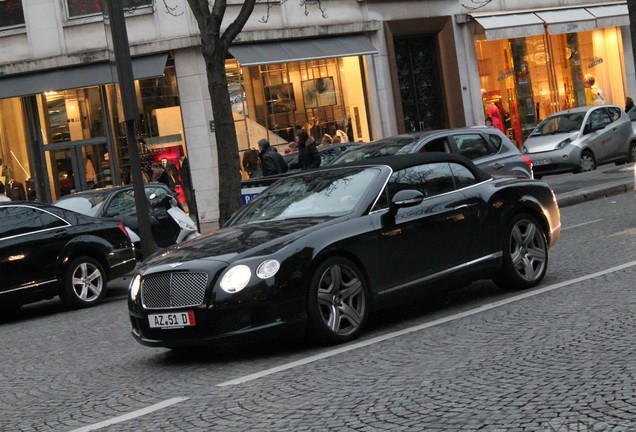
point(316, 252)
point(46, 251)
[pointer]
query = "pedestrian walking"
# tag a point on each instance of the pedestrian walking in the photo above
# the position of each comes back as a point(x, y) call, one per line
point(272, 162)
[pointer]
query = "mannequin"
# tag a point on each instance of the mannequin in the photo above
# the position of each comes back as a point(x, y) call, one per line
point(593, 93)
point(493, 112)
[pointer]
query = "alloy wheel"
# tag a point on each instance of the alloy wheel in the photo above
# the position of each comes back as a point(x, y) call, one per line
point(341, 299)
point(528, 250)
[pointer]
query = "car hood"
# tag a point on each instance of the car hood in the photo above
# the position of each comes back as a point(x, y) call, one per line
point(542, 143)
point(228, 243)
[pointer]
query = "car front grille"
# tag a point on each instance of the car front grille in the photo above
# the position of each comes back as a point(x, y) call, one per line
point(173, 290)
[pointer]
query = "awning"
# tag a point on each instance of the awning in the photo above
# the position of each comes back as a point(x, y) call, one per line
point(610, 16)
point(298, 50)
point(77, 77)
point(568, 20)
point(510, 26)
point(556, 21)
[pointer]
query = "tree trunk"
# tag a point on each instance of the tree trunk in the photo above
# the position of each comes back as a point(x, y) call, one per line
point(226, 141)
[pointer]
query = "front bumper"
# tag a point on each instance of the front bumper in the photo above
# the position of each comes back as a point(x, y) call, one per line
point(238, 323)
point(567, 159)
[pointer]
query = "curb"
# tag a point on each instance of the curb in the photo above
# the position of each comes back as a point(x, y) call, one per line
point(595, 192)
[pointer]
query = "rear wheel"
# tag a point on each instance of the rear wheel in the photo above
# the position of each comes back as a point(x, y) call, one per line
point(587, 163)
point(84, 283)
point(631, 155)
point(525, 254)
point(337, 304)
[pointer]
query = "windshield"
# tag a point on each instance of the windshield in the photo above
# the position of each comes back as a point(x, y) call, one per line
point(88, 203)
point(329, 193)
point(560, 123)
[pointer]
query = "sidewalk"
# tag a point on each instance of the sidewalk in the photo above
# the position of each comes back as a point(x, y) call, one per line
point(607, 180)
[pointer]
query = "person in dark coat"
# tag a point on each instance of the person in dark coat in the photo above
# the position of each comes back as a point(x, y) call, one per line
point(308, 155)
point(271, 161)
point(250, 161)
point(629, 104)
point(160, 175)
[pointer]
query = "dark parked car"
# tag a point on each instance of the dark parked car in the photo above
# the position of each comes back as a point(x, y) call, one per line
point(487, 147)
point(119, 202)
point(319, 250)
point(46, 251)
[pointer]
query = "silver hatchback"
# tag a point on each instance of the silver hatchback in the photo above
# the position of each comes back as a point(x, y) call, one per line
point(580, 139)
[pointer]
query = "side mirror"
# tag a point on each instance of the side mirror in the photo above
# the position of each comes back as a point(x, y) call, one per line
point(406, 198)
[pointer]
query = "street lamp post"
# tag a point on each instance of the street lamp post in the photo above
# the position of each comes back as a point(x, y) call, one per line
point(119, 54)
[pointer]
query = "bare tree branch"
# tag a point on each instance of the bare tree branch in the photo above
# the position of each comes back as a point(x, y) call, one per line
point(476, 4)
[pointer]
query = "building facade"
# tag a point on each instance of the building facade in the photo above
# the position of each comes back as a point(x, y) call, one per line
point(365, 70)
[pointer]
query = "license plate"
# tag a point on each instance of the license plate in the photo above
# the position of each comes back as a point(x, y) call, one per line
point(542, 162)
point(172, 320)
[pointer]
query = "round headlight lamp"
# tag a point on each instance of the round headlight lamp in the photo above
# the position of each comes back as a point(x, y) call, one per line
point(236, 278)
point(563, 143)
point(267, 268)
point(135, 286)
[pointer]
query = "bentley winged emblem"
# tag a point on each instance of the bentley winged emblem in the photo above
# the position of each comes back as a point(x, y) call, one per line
point(175, 265)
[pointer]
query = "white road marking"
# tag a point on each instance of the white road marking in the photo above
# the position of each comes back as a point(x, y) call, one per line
point(403, 332)
point(131, 415)
point(581, 224)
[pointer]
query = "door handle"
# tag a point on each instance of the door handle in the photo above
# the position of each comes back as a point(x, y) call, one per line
point(462, 206)
point(498, 165)
point(60, 233)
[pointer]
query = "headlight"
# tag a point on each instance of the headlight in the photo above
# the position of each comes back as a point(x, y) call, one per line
point(267, 268)
point(563, 143)
point(236, 278)
point(135, 285)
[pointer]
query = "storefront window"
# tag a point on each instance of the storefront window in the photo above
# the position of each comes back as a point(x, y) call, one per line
point(75, 140)
point(527, 79)
point(78, 8)
point(322, 96)
point(15, 169)
point(159, 131)
point(11, 13)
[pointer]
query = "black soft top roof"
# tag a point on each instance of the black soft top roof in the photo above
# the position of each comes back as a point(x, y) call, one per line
point(400, 161)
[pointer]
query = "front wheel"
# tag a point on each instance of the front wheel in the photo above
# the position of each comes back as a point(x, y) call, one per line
point(337, 303)
point(587, 162)
point(631, 155)
point(525, 254)
point(84, 283)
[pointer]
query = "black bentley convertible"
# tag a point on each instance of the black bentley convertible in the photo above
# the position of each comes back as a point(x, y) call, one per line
point(316, 252)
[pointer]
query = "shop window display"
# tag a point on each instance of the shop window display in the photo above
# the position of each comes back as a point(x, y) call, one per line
point(530, 78)
point(11, 13)
point(274, 101)
point(15, 169)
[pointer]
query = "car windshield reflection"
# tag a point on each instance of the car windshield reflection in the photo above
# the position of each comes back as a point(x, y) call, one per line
point(565, 123)
point(316, 194)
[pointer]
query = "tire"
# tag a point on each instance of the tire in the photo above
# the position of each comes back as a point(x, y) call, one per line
point(525, 254)
point(587, 163)
point(84, 283)
point(631, 154)
point(337, 302)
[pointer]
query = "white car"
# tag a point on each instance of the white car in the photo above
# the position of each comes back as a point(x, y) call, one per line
point(580, 139)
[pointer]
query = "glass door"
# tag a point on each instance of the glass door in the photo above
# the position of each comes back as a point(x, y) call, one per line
point(77, 167)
